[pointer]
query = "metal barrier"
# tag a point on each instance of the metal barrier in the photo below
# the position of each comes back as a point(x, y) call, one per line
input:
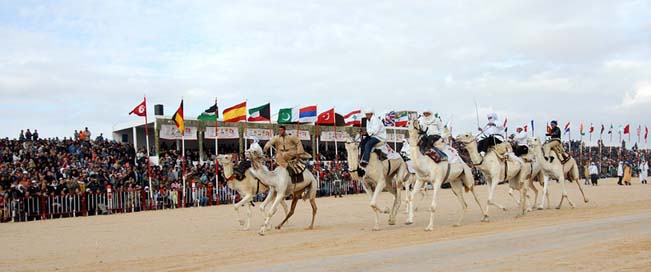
point(130, 201)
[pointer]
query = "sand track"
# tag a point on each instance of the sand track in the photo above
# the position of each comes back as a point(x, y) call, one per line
point(612, 232)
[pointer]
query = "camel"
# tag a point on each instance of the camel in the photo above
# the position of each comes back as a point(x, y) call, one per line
point(554, 170)
point(494, 170)
point(535, 173)
point(248, 188)
point(375, 179)
point(458, 174)
point(281, 186)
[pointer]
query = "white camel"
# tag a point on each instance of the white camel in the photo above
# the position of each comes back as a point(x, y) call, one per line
point(495, 170)
point(535, 173)
point(374, 181)
point(281, 186)
point(557, 171)
point(457, 173)
point(248, 188)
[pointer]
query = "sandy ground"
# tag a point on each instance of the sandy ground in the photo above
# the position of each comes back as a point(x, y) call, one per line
point(610, 233)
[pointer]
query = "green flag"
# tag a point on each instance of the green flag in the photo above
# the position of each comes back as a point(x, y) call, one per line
point(287, 116)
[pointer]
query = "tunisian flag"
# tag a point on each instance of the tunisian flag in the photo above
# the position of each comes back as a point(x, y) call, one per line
point(140, 110)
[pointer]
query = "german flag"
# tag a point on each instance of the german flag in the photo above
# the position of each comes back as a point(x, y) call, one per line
point(235, 113)
point(178, 119)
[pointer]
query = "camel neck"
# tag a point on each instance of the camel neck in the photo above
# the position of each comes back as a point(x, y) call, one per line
point(475, 157)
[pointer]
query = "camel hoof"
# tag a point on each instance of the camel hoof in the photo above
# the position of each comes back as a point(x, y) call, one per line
point(485, 219)
point(558, 208)
point(456, 225)
point(409, 223)
point(309, 228)
point(504, 209)
point(540, 208)
point(429, 229)
point(278, 227)
point(261, 232)
point(586, 201)
point(376, 229)
point(392, 223)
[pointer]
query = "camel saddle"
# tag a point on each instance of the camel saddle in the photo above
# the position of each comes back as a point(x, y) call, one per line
point(501, 150)
point(296, 167)
point(432, 154)
point(240, 170)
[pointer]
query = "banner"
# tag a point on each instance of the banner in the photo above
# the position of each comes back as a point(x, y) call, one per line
point(224, 133)
point(261, 134)
point(329, 136)
point(303, 135)
point(170, 132)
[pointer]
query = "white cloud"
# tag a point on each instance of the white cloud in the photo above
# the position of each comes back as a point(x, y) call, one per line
point(641, 95)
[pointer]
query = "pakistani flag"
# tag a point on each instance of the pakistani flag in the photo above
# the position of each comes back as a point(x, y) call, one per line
point(288, 115)
point(210, 114)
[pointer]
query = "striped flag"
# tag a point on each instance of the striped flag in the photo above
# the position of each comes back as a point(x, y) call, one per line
point(178, 119)
point(390, 118)
point(354, 118)
point(235, 113)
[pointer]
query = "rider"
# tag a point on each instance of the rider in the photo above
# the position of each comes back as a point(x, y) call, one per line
point(405, 149)
point(375, 133)
point(493, 134)
point(520, 139)
point(554, 143)
point(431, 125)
point(289, 147)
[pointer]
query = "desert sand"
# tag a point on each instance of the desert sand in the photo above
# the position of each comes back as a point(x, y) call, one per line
point(610, 233)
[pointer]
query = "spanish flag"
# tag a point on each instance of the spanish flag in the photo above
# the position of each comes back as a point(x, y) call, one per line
point(178, 119)
point(235, 113)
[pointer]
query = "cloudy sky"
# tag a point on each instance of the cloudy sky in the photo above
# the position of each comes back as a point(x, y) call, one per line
point(66, 65)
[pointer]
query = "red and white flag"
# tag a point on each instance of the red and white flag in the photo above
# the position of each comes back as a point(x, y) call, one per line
point(354, 118)
point(140, 110)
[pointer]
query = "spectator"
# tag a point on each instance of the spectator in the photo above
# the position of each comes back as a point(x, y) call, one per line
point(87, 134)
point(628, 173)
point(28, 135)
point(21, 137)
point(76, 135)
point(35, 135)
point(594, 174)
point(644, 171)
point(620, 172)
point(100, 138)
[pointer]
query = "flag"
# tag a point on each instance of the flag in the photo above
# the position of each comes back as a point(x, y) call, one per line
point(307, 114)
point(646, 133)
point(549, 128)
point(140, 110)
point(567, 127)
point(526, 128)
point(354, 118)
point(602, 129)
point(390, 118)
point(639, 131)
point(581, 129)
point(591, 128)
point(288, 115)
point(532, 127)
point(211, 114)
point(402, 120)
point(610, 130)
point(505, 123)
point(235, 113)
point(260, 113)
point(627, 129)
point(178, 119)
point(326, 117)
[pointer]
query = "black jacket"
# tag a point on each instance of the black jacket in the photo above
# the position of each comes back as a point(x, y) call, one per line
point(555, 134)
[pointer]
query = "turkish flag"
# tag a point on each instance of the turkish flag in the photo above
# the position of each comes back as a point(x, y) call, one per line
point(326, 117)
point(140, 110)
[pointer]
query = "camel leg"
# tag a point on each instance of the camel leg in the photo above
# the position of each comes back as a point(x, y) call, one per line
point(414, 191)
point(396, 206)
point(585, 199)
point(523, 195)
point(249, 212)
point(270, 213)
point(545, 193)
point(313, 204)
point(270, 195)
point(246, 200)
point(407, 193)
point(291, 211)
point(512, 195)
point(535, 199)
point(378, 189)
point(432, 207)
point(457, 189)
point(563, 192)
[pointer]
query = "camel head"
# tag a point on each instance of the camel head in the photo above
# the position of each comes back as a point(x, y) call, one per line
point(256, 155)
point(415, 132)
point(466, 138)
point(534, 142)
point(352, 152)
point(226, 161)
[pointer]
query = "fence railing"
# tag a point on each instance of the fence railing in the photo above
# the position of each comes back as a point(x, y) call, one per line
point(43, 207)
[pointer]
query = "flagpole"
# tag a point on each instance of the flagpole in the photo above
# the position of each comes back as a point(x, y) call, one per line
point(216, 150)
point(148, 156)
point(183, 164)
point(334, 122)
